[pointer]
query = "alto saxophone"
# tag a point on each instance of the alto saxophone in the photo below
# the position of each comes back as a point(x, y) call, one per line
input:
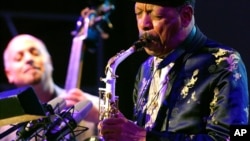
point(108, 104)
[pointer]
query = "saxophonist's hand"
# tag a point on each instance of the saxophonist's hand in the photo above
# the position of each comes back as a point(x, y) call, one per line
point(121, 129)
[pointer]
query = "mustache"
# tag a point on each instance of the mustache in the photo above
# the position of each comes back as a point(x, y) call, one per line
point(30, 67)
point(146, 38)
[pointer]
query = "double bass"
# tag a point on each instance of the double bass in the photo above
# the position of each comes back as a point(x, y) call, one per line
point(90, 19)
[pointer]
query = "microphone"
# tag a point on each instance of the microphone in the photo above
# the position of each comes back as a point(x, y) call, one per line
point(57, 105)
point(33, 127)
point(67, 121)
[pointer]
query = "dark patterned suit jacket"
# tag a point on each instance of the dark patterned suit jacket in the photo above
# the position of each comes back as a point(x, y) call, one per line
point(207, 92)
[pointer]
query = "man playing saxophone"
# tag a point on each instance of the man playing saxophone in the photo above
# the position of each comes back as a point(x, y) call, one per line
point(195, 88)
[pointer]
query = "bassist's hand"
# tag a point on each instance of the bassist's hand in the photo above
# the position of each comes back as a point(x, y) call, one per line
point(76, 95)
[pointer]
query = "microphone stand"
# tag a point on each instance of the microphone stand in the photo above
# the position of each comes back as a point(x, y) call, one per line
point(12, 129)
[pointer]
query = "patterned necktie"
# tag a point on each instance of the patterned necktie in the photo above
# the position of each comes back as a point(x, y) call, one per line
point(157, 93)
point(153, 99)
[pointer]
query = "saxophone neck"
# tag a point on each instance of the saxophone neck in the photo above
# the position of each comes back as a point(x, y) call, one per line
point(119, 57)
point(109, 105)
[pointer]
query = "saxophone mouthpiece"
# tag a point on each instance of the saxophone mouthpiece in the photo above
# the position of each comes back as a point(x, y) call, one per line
point(139, 44)
point(144, 39)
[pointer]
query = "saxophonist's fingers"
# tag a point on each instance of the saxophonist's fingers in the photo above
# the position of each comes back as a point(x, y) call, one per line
point(119, 115)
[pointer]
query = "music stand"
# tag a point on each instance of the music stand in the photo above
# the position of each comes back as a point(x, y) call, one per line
point(19, 105)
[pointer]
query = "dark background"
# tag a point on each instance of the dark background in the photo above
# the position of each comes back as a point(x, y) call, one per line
point(53, 20)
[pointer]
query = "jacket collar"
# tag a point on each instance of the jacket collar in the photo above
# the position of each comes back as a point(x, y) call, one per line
point(194, 40)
